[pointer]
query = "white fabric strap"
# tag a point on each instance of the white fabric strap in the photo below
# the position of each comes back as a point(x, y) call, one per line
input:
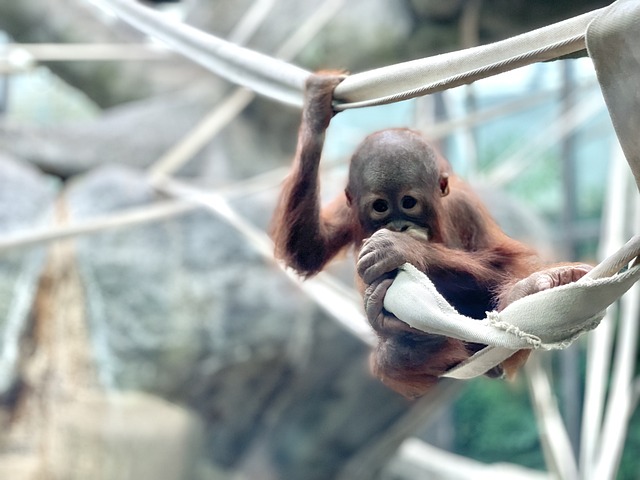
point(549, 319)
point(263, 74)
point(552, 318)
point(613, 43)
point(285, 82)
point(432, 74)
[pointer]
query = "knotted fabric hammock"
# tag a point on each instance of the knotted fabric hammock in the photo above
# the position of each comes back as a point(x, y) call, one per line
point(551, 318)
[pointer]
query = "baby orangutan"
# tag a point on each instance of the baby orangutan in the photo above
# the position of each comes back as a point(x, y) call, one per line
point(403, 203)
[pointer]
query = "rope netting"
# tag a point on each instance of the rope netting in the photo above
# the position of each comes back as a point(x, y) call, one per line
point(284, 82)
point(547, 319)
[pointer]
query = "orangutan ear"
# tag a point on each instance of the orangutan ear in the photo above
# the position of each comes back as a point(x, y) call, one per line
point(349, 197)
point(444, 184)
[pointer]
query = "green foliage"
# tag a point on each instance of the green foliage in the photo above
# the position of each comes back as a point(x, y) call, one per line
point(494, 422)
point(540, 185)
point(630, 463)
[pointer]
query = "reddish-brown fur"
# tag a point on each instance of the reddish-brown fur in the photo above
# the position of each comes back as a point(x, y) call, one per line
point(305, 236)
point(444, 231)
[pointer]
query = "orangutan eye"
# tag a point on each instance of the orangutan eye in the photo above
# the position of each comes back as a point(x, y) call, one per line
point(408, 202)
point(380, 205)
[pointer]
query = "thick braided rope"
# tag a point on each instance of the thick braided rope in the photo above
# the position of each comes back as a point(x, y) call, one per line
point(284, 82)
point(548, 52)
point(419, 77)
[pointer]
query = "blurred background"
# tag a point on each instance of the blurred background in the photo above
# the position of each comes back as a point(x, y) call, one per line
point(143, 336)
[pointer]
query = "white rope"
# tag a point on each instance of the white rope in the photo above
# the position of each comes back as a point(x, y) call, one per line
point(251, 21)
point(613, 40)
point(66, 52)
point(284, 82)
point(265, 75)
point(240, 98)
point(343, 303)
point(616, 212)
point(555, 442)
point(123, 219)
point(551, 318)
point(440, 72)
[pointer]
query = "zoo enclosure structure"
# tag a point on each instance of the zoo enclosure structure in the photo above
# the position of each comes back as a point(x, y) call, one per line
point(609, 35)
